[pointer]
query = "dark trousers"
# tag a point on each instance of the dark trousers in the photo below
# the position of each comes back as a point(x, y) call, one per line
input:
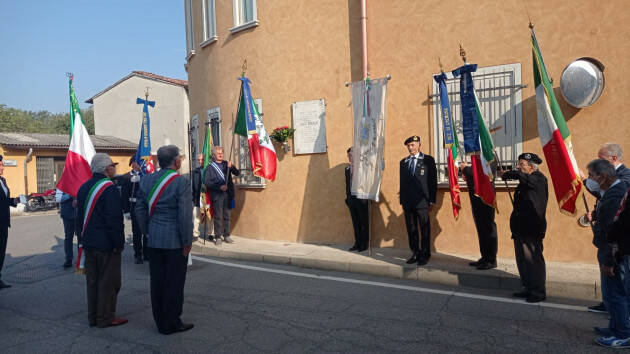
point(220, 205)
point(103, 283)
point(168, 275)
point(4, 236)
point(483, 215)
point(360, 221)
point(531, 264)
point(413, 218)
point(139, 240)
point(68, 230)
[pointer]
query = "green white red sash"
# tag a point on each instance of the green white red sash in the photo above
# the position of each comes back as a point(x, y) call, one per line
point(90, 202)
point(158, 189)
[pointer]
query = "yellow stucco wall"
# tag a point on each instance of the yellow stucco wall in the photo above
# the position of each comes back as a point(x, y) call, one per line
point(308, 49)
point(15, 174)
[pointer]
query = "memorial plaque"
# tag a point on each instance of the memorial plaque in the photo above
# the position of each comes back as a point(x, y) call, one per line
point(309, 122)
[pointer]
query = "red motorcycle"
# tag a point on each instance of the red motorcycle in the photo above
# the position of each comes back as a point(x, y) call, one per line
point(41, 201)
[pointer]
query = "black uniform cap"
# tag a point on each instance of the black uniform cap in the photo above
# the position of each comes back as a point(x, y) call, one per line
point(412, 138)
point(530, 157)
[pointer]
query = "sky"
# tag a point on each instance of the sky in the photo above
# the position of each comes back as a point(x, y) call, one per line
point(99, 41)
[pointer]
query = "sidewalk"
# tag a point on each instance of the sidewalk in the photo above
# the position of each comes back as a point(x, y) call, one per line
point(576, 281)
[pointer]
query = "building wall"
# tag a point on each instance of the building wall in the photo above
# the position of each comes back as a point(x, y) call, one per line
point(308, 49)
point(15, 174)
point(117, 114)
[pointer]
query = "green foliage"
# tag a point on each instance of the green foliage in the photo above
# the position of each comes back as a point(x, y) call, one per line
point(282, 134)
point(17, 120)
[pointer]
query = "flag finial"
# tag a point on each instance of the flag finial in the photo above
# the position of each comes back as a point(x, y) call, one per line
point(531, 25)
point(146, 93)
point(462, 53)
point(440, 63)
point(70, 75)
point(244, 67)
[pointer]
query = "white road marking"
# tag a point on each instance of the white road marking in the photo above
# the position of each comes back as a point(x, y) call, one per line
point(393, 286)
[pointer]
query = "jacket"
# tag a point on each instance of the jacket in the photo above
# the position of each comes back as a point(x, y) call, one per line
point(528, 217)
point(603, 219)
point(66, 209)
point(619, 231)
point(420, 189)
point(5, 202)
point(171, 225)
point(214, 181)
point(197, 173)
point(128, 190)
point(105, 231)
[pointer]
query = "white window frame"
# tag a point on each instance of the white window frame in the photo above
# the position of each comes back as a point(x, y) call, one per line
point(190, 33)
point(239, 23)
point(246, 178)
point(499, 90)
point(209, 23)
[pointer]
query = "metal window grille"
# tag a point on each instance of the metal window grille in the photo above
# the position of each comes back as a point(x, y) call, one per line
point(45, 173)
point(498, 89)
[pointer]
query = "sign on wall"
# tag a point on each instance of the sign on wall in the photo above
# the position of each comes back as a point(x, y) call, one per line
point(309, 122)
point(9, 162)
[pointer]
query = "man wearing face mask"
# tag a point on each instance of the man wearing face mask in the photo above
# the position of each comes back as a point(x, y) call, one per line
point(614, 294)
point(528, 225)
point(613, 153)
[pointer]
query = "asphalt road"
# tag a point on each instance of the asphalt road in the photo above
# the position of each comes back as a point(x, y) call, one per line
point(240, 307)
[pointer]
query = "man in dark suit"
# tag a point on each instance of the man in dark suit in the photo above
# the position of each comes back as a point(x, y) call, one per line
point(130, 182)
point(418, 189)
point(483, 216)
point(103, 236)
point(197, 189)
point(358, 211)
point(164, 212)
point(218, 180)
point(5, 219)
point(614, 293)
point(528, 224)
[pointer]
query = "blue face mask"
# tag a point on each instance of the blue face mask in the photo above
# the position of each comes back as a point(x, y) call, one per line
point(592, 186)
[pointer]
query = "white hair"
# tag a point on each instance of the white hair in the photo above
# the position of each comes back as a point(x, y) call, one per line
point(612, 149)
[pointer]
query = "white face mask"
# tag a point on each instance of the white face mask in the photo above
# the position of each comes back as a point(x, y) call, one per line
point(592, 186)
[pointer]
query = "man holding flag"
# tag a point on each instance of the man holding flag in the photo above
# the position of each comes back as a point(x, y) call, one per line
point(218, 181)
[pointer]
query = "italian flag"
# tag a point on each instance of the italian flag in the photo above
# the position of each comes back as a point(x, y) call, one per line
point(262, 154)
point(77, 168)
point(480, 162)
point(206, 201)
point(555, 137)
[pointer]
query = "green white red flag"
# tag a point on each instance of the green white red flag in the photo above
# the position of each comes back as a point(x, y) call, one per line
point(555, 137)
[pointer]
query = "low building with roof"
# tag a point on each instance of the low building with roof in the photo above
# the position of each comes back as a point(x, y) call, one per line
point(39, 169)
point(116, 112)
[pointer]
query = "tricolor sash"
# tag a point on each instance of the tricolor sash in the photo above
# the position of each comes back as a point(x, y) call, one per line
point(158, 189)
point(90, 202)
point(218, 169)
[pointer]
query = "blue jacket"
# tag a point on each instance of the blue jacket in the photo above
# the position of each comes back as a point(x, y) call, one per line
point(105, 232)
point(603, 218)
point(171, 225)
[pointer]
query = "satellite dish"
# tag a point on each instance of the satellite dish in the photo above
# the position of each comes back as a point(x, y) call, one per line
point(582, 82)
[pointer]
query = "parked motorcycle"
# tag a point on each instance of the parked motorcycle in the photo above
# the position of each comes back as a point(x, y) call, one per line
point(41, 201)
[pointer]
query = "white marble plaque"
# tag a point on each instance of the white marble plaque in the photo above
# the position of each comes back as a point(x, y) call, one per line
point(309, 122)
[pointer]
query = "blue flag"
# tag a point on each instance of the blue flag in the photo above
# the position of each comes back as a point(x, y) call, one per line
point(143, 154)
point(447, 120)
point(469, 107)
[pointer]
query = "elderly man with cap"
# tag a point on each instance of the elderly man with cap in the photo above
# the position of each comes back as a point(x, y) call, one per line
point(100, 222)
point(418, 189)
point(5, 218)
point(529, 224)
point(130, 184)
point(164, 212)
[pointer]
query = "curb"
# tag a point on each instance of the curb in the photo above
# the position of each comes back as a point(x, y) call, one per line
point(485, 280)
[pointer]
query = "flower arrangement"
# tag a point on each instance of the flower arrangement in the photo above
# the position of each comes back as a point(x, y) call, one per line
point(282, 134)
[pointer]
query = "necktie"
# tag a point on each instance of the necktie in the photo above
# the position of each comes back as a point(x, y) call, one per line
point(412, 165)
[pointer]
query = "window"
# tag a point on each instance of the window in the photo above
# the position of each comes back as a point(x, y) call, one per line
point(209, 23)
point(498, 89)
point(247, 178)
point(214, 124)
point(190, 35)
point(245, 15)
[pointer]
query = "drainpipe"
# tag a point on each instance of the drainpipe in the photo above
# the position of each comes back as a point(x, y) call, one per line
point(364, 37)
point(28, 159)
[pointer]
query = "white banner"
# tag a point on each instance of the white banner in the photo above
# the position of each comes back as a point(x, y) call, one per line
point(368, 105)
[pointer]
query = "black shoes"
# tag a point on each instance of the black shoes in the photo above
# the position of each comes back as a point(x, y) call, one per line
point(487, 265)
point(422, 261)
point(601, 308)
point(535, 298)
point(67, 265)
point(476, 263)
point(521, 294)
point(185, 327)
point(4, 285)
point(353, 248)
point(138, 260)
point(413, 259)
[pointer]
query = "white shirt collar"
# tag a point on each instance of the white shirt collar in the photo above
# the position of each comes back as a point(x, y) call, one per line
point(418, 155)
point(4, 188)
point(603, 191)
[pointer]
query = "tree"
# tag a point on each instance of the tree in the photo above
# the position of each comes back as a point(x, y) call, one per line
point(20, 121)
